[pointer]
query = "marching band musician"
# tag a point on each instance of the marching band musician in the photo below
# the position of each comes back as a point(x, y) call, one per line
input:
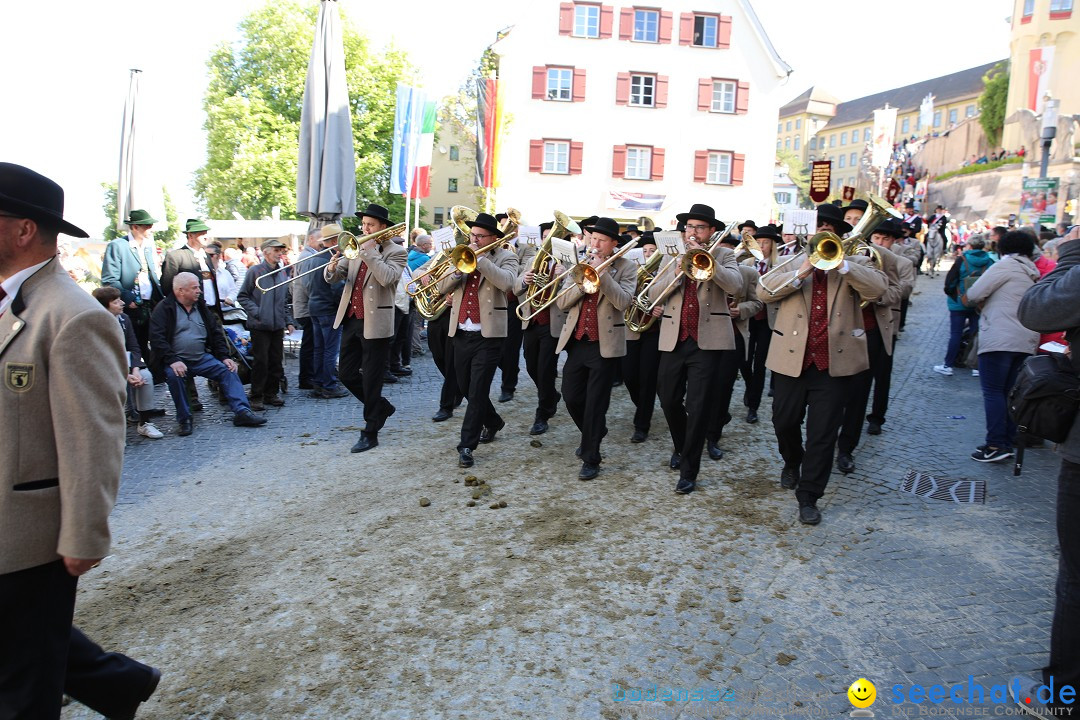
point(540, 336)
point(743, 305)
point(366, 316)
point(696, 325)
point(854, 212)
point(478, 324)
point(881, 319)
point(819, 345)
point(594, 337)
point(759, 331)
point(641, 363)
point(442, 352)
point(510, 360)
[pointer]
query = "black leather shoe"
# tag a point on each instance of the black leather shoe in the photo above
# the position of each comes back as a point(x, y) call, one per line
point(366, 442)
point(685, 487)
point(388, 379)
point(715, 453)
point(789, 477)
point(487, 434)
point(873, 428)
point(196, 406)
point(751, 416)
point(401, 371)
point(539, 427)
point(578, 451)
point(588, 471)
point(639, 436)
point(246, 418)
point(151, 686)
point(506, 396)
point(274, 400)
point(676, 461)
point(845, 463)
point(185, 428)
point(809, 515)
point(465, 458)
point(442, 415)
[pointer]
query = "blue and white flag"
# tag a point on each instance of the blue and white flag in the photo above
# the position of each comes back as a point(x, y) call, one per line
point(408, 124)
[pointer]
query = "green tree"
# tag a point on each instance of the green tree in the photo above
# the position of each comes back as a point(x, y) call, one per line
point(992, 102)
point(798, 174)
point(253, 105)
point(166, 239)
point(110, 232)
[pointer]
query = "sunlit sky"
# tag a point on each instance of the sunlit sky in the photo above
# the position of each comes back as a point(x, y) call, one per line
point(65, 66)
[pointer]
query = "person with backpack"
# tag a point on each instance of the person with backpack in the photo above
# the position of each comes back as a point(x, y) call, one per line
point(960, 278)
point(1054, 304)
point(1004, 343)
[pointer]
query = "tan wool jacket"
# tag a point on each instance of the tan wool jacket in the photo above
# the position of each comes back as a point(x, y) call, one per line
point(385, 265)
point(715, 331)
point(497, 270)
point(616, 293)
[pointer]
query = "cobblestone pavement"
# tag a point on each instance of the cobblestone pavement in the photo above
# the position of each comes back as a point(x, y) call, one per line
point(890, 587)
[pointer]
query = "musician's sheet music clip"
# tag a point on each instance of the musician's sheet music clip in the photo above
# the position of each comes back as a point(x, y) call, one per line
point(443, 238)
point(637, 255)
point(528, 235)
point(565, 251)
point(670, 242)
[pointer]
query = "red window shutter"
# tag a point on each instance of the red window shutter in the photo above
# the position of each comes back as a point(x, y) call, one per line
point(665, 26)
point(701, 165)
point(618, 161)
point(686, 28)
point(737, 163)
point(723, 32)
point(661, 90)
point(742, 98)
point(704, 94)
point(576, 151)
point(607, 14)
point(566, 18)
point(657, 164)
point(536, 155)
point(539, 82)
point(626, 23)
point(622, 89)
point(579, 84)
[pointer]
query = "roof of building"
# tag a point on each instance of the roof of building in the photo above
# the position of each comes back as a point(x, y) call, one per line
point(945, 89)
point(800, 104)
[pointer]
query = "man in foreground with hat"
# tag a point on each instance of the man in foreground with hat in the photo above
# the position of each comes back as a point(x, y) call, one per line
point(478, 327)
point(268, 319)
point(695, 328)
point(819, 345)
point(60, 462)
point(881, 320)
point(594, 337)
point(366, 316)
point(130, 265)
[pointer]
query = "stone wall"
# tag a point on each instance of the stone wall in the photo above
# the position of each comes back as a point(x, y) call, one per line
point(995, 193)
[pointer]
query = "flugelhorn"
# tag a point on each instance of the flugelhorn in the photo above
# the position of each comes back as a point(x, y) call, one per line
point(347, 244)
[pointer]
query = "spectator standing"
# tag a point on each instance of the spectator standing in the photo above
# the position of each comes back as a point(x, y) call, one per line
point(1004, 342)
point(302, 314)
point(130, 265)
point(323, 301)
point(192, 258)
point(962, 319)
point(418, 255)
point(268, 319)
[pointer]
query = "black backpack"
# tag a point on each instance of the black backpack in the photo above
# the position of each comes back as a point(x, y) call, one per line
point(1046, 396)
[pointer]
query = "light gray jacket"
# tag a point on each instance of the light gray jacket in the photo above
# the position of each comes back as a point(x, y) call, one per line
point(1001, 287)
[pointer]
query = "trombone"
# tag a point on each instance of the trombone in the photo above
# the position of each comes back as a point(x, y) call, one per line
point(347, 244)
point(698, 264)
point(584, 275)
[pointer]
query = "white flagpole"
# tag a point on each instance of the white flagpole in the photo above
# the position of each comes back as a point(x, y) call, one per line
point(406, 216)
point(416, 218)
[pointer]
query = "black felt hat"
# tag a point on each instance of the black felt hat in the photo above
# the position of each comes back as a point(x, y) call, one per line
point(747, 223)
point(375, 211)
point(486, 222)
point(835, 216)
point(606, 226)
point(28, 194)
point(768, 231)
point(892, 227)
point(856, 205)
point(701, 212)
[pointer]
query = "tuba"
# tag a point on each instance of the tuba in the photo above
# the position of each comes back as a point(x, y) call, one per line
point(637, 318)
point(543, 288)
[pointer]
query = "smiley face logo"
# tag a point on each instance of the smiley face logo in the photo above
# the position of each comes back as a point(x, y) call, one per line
point(862, 693)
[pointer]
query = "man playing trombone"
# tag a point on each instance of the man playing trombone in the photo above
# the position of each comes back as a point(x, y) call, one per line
point(478, 323)
point(819, 345)
point(594, 336)
point(695, 328)
point(366, 316)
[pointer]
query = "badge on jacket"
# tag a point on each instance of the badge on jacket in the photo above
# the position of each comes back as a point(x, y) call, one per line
point(19, 377)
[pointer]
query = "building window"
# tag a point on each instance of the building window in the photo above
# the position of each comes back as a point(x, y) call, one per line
point(798, 123)
point(646, 26)
point(719, 172)
point(643, 90)
point(813, 143)
point(1029, 8)
point(1060, 9)
point(723, 97)
point(440, 214)
point(451, 185)
point(455, 155)
point(778, 144)
point(705, 30)
point(953, 116)
point(832, 140)
point(866, 134)
point(787, 143)
point(560, 83)
point(905, 126)
point(779, 127)
point(853, 160)
point(556, 157)
point(937, 118)
point(587, 21)
point(969, 111)
point(787, 128)
point(842, 161)
point(797, 143)
point(638, 163)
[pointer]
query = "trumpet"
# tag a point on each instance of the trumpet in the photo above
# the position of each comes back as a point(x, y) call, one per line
point(347, 244)
point(697, 264)
point(584, 275)
point(544, 285)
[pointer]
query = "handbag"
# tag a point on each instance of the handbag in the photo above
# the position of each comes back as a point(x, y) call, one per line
point(1045, 399)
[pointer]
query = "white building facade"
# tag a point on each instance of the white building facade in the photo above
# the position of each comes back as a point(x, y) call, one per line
point(625, 111)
